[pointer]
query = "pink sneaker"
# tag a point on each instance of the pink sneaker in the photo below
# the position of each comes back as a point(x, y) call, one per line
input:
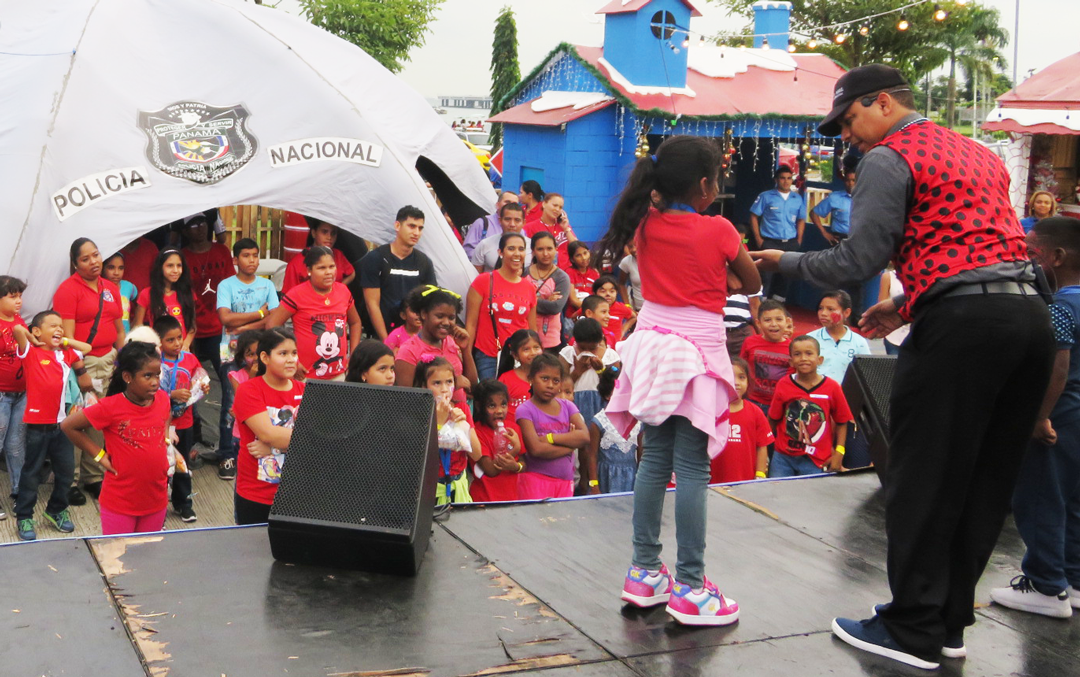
point(701, 607)
point(644, 589)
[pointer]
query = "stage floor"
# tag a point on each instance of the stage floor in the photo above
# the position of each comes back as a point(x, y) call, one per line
point(509, 589)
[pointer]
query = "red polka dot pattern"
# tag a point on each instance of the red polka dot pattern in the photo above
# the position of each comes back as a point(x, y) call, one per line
point(961, 218)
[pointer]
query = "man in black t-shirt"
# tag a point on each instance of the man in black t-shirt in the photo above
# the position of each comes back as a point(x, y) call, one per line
point(388, 273)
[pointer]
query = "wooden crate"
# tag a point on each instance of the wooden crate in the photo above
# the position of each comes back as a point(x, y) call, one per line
point(262, 224)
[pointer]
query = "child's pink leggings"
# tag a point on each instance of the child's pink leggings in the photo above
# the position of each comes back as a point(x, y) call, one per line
point(115, 523)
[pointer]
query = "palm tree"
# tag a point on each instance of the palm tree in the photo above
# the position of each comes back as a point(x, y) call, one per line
point(973, 40)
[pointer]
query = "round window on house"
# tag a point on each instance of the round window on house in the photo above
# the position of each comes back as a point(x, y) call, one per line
point(663, 25)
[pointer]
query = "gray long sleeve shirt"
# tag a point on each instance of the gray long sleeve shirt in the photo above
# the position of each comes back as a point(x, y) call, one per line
point(883, 194)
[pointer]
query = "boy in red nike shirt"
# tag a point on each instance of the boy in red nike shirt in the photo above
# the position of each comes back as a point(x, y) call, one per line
point(808, 410)
point(767, 353)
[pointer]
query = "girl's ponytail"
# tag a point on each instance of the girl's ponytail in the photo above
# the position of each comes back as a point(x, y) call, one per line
point(630, 210)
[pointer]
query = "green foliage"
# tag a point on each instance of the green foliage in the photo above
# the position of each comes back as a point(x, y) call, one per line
point(505, 71)
point(385, 29)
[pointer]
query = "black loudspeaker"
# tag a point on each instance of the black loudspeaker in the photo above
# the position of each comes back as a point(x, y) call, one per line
point(868, 388)
point(358, 483)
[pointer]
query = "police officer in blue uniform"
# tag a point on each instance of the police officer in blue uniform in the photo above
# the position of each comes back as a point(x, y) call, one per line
point(778, 218)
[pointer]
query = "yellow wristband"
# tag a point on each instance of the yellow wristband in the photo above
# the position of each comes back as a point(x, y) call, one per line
point(760, 475)
point(101, 455)
point(64, 342)
point(521, 467)
point(840, 449)
point(594, 483)
point(261, 313)
point(550, 438)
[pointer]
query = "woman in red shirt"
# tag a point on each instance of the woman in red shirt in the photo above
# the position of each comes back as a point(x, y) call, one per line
point(134, 419)
point(89, 307)
point(324, 318)
point(170, 294)
point(499, 303)
point(266, 408)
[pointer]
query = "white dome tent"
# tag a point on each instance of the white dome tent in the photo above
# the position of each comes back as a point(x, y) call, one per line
point(118, 116)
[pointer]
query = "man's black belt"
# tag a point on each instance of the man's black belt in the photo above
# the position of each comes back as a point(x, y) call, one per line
point(1009, 287)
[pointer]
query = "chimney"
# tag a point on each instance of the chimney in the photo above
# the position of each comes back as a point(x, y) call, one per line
point(772, 21)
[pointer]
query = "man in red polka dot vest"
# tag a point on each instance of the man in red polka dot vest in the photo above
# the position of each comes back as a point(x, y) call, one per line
point(970, 376)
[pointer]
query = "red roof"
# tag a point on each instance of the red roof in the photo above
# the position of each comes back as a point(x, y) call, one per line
point(523, 114)
point(1056, 86)
point(620, 6)
point(758, 91)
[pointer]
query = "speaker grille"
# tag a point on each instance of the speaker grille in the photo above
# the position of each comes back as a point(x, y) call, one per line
point(338, 428)
point(876, 375)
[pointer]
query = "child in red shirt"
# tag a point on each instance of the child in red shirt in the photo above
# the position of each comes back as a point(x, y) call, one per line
point(746, 455)
point(767, 353)
point(597, 308)
point(170, 293)
point(495, 475)
point(621, 316)
point(808, 410)
point(515, 360)
point(134, 418)
point(458, 443)
point(46, 371)
point(582, 276)
point(182, 373)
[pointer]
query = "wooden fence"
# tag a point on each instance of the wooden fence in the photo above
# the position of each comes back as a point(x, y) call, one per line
point(262, 224)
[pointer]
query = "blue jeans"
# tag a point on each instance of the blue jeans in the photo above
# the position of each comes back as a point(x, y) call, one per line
point(45, 441)
point(675, 445)
point(13, 434)
point(891, 349)
point(783, 465)
point(226, 449)
point(1046, 506)
point(486, 365)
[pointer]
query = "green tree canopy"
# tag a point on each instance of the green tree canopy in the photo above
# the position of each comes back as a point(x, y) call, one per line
point(385, 29)
point(505, 71)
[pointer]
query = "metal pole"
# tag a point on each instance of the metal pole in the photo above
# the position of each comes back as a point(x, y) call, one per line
point(975, 105)
point(1016, 41)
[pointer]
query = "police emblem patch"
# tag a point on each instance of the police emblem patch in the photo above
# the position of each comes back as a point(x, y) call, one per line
point(204, 144)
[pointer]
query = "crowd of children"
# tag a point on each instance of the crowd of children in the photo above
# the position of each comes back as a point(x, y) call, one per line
point(536, 427)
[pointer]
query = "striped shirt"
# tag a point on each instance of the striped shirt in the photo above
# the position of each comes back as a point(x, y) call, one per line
point(737, 311)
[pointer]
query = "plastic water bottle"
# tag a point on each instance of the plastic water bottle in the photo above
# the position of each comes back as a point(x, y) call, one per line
point(502, 445)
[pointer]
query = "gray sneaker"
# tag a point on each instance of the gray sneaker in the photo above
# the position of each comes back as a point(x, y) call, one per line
point(61, 521)
point(1022, 596)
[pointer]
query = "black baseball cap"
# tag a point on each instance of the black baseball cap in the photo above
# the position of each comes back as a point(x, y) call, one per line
point(857, 83)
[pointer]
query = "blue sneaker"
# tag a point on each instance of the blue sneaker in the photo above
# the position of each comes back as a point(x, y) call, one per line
point(954, 641)
point(26, 530)
point(871, 636)
point(61, 521)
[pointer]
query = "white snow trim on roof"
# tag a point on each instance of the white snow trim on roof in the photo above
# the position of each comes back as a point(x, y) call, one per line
point(1029, 117)
point(620, 79)
point(576, 100)
point(771, 4)
point(714, 61)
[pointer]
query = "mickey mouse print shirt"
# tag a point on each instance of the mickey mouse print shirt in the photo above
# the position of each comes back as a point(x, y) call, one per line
point(322, 328)
point(505, 305)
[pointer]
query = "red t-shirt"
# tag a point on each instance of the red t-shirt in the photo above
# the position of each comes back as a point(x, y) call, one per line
point(137, 263)
point(12, 378)
point(46, 372)
point(769, 362)
point(502, 487)
point(184, 367)
point(807, 417)
point(738, 461)
point(582, 284)
point(683, 259)
point(296, 272)
point(620, 313)
point(172, 307)
point(534, 225)
point(208, 269)
point(75, 300)
point(255, 397)
point(135, 440)
point(414, 350)
point(510, 304)
point(520, 391)
point(322, 328)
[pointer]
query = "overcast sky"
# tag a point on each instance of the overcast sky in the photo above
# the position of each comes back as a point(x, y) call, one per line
point(458, 51)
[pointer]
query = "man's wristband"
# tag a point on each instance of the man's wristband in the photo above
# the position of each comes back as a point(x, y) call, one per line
point(550, 438)
point(840, 449)
point(594, 483)
point(100, 455)
point(760, 475)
